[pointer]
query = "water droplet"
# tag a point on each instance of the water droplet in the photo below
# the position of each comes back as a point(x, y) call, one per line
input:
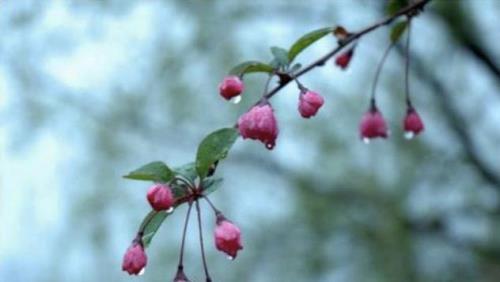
point(170, 210)
point(409, 135)
point(235, 99)
point(366, 140)
point(142, 272)
point(270, 146)
point(231, 258)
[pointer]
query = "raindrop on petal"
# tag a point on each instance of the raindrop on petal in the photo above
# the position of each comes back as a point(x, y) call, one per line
point(409, 135)
point(142, 271)
point(235, 99)
point(366, 140)
point(231, 258)
point(269, 146)
point(170, 210)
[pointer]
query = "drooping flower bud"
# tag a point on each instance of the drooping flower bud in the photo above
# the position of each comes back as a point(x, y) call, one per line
point(227, 237)
point(372, 125)
point(309, 103)
point(135, 259)
point(259, 123)
point(160, 197)
point(412, 123)
point(343, 59)
point(230, 87)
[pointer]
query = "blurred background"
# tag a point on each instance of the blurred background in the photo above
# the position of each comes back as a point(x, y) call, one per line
point(90, 90)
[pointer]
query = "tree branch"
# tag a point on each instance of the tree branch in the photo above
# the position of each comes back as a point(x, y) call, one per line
point(417, 6)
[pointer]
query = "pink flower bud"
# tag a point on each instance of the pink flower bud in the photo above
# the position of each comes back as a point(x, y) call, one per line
point(372, 125)
point(343, 59)
point(309, 103)
point(231, 86)
point(135, 259)
point(259, 123)
point(412, 123)
point(227, 237)
point(160, 197)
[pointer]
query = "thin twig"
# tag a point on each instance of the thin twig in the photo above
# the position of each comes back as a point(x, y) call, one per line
point(355, 36)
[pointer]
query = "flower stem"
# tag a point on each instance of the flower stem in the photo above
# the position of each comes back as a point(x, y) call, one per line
point(407, 65)
point(216, 211)
point(379, 68)
point(200, 229)
point(184, 231)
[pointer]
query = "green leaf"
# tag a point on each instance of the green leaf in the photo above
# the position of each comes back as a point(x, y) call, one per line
point(251, 66)
point(213, 148)
point(295, 68)
point(210, 185)
point(280, 55)
point(188, 171)
point(393, 6)
point(151, 224)
point(274, 63)
point(306, 40)
point(154, 171)
point(398, 30)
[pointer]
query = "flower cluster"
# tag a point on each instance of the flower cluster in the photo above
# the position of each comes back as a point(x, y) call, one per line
point(190, 184)
point(373, 124)
point(260, 123)
point(227, 236)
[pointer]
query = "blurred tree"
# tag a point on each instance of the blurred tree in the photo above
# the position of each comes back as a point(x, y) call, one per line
point(322, 207)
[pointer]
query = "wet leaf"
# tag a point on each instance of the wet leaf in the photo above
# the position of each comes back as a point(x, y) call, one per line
point(393, 6)
point(306, 40)
point(151, 224)
point(251, 66)
point(213, 148)
point(295, 68)
point(280, 55)
point(155, 171)
point(188, 171)
point(210, 185)
point(398, 30)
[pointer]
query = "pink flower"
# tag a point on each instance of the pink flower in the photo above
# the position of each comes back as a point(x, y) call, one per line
point(259, 123)
point(373, 124)
point(227, 237)
point(135, 259)
point(309, 103)
point(343, 59)
point(160, 197)
point(412, 123)
point(230, 87)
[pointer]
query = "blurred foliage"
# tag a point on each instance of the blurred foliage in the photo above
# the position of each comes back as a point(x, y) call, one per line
point(322, 206)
